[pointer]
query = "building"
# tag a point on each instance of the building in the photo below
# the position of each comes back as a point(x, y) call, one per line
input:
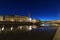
point(1, 18)
point(17, 18)
point(17, 23)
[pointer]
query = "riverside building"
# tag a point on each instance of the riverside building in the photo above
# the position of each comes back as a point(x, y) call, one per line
point(17, 23)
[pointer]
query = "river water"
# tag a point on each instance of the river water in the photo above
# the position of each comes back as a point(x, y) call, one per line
point(42, 33)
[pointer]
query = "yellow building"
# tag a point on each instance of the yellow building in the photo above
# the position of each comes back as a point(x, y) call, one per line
point(1, 18)
point(18, 18)
point(16, 22)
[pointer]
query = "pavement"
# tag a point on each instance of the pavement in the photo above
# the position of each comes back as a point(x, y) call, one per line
point(57, 35)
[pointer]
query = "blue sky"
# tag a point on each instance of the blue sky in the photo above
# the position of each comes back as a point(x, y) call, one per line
point(41, 9)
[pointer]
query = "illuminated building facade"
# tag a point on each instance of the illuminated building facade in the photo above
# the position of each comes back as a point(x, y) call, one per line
point(17, 23)
point(17, 18)
point(1, 18)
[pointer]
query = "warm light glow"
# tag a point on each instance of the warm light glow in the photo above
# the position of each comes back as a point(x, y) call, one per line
point(2, 28)
point(12, 20)
point(30, 19)
point(20, 27)
point(1, 18)
point(34, 27)
point(30, 27)
point(21, 20)
point(11, 28)
point(34, 20)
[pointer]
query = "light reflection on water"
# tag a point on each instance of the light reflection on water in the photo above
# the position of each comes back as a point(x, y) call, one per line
point(31, 28)
point(41, 33)
point(45, 29)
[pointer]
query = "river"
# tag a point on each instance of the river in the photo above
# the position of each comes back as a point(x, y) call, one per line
point(42, 33)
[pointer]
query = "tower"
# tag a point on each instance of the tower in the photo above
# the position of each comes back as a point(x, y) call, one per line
point(29, 14)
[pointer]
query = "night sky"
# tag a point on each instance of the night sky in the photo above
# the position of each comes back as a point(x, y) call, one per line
point(40, 9)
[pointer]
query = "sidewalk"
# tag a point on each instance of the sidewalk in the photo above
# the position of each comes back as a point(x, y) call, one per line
point(57, 35)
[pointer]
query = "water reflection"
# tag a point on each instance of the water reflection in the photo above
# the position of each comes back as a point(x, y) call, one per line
point(17, 28)
point(32, 32)
point(30, 27)
point(25, 28)
point(2, 28)
point(46, 29)
point(20, 27)
point(11, 28)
